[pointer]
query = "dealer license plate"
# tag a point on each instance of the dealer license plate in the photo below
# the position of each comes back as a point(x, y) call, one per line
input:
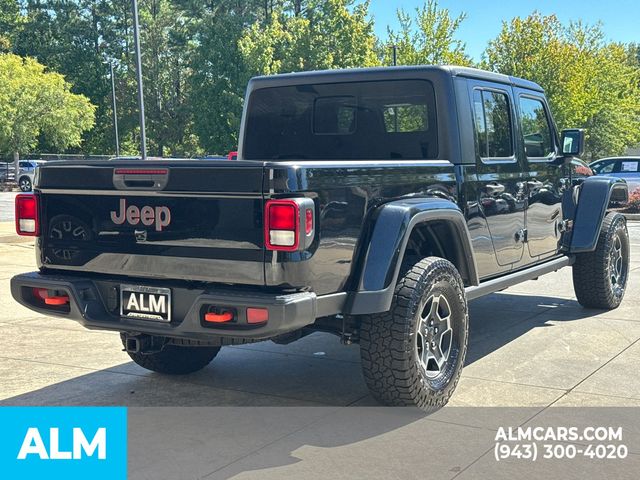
point(148, 303)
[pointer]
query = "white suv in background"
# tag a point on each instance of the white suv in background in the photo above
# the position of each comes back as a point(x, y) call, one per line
point(26, 172)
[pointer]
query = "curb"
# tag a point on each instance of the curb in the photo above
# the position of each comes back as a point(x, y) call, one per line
point(632, 216)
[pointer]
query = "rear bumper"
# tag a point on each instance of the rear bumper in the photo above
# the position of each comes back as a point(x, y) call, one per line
point(93, 302)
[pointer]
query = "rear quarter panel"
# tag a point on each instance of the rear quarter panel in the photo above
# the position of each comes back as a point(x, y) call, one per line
point(346, 193)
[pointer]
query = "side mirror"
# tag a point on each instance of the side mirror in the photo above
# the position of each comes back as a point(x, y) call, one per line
point(572, 141)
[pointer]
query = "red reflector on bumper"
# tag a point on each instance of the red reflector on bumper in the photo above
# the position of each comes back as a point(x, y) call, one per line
point(257, 315)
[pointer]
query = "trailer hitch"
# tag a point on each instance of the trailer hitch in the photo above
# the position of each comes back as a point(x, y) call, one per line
point(143, 344)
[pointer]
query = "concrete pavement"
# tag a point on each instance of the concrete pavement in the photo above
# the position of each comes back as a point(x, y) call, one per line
point(6, 206)
point(531, 347)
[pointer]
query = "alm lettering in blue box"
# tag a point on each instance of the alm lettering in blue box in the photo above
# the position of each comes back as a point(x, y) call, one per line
point(64, 442)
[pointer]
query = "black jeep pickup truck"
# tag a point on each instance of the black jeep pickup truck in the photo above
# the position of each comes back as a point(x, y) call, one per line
point(370, 203)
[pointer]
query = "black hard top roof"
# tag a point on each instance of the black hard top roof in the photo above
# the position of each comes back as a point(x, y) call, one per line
point(339, 75)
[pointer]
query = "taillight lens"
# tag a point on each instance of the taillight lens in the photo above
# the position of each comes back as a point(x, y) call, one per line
point(289, 224)
point(308, 225)
point(27, 215)
point(282, 225)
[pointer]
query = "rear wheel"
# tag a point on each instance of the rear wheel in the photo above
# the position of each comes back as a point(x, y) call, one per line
point(25, 184)
point(413, 354)
point(176, 360)
point(600, 277)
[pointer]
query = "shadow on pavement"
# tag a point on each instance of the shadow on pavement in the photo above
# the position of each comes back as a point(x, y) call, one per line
point(265, 374)
point(258, 442)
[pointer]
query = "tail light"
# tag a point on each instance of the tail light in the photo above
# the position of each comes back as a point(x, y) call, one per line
point(289, 224)
point(27, 215)
point(141, 171)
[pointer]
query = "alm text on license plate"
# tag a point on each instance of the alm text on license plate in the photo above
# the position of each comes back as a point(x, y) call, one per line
point(148, 303)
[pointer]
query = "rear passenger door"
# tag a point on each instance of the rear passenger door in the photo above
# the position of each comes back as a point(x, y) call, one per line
point(501, 188)
point(546, 177)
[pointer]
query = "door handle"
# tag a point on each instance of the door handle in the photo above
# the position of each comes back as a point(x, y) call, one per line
point(494, 189)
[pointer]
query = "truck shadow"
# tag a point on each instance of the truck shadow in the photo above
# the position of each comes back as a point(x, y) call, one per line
point(316, 370)
point(310, 381)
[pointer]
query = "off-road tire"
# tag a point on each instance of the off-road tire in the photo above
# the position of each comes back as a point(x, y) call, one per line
point(592, 272)
point(388, 341)
point(176, 360)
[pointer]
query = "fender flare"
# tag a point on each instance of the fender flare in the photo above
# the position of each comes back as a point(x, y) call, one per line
point(593, 200)
point(383, 249)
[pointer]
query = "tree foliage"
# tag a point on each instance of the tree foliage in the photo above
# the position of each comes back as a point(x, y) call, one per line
point(10, 20)
point(34, 102)
point(426, 39)
point(198, 56)
point(219, 73)
point(324, 35)
point(589, 83)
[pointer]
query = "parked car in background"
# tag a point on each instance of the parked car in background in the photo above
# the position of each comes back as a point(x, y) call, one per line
point(7, 173)
point(627, 168)
point(26, 172)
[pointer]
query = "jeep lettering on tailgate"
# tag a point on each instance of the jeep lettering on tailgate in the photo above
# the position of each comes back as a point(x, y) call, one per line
point(133, 215)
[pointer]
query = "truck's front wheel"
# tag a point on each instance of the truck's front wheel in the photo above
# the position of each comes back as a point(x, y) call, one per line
point(413, 354)
point(176, 360)
point(600, 277)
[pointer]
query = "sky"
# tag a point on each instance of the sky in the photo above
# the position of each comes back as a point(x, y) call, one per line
point(620, 18)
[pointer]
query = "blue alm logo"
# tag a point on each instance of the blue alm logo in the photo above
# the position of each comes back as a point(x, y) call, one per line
point(64, 442)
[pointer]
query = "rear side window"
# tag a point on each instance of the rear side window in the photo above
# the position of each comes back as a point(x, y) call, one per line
point(493, 124)
point(536, 130)
point(629, 166)
point(385, 120)
point(604, 167)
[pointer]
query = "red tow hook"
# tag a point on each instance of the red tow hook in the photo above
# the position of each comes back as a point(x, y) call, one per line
point(61, 300)
point(43, 294)
point(213, 317)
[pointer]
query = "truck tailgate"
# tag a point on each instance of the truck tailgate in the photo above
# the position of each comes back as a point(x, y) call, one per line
point(180, 219)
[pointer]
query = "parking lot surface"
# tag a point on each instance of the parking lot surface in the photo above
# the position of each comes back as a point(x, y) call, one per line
point(6, 206)
point(531, 346)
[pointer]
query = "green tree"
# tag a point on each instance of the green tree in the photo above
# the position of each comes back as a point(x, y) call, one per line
point(426, 39)
point(589, 83)
point(322, 35)
point(35, 102)
point(219, 74)
point(75, 38)
point(10, 21)
point(167, 49)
